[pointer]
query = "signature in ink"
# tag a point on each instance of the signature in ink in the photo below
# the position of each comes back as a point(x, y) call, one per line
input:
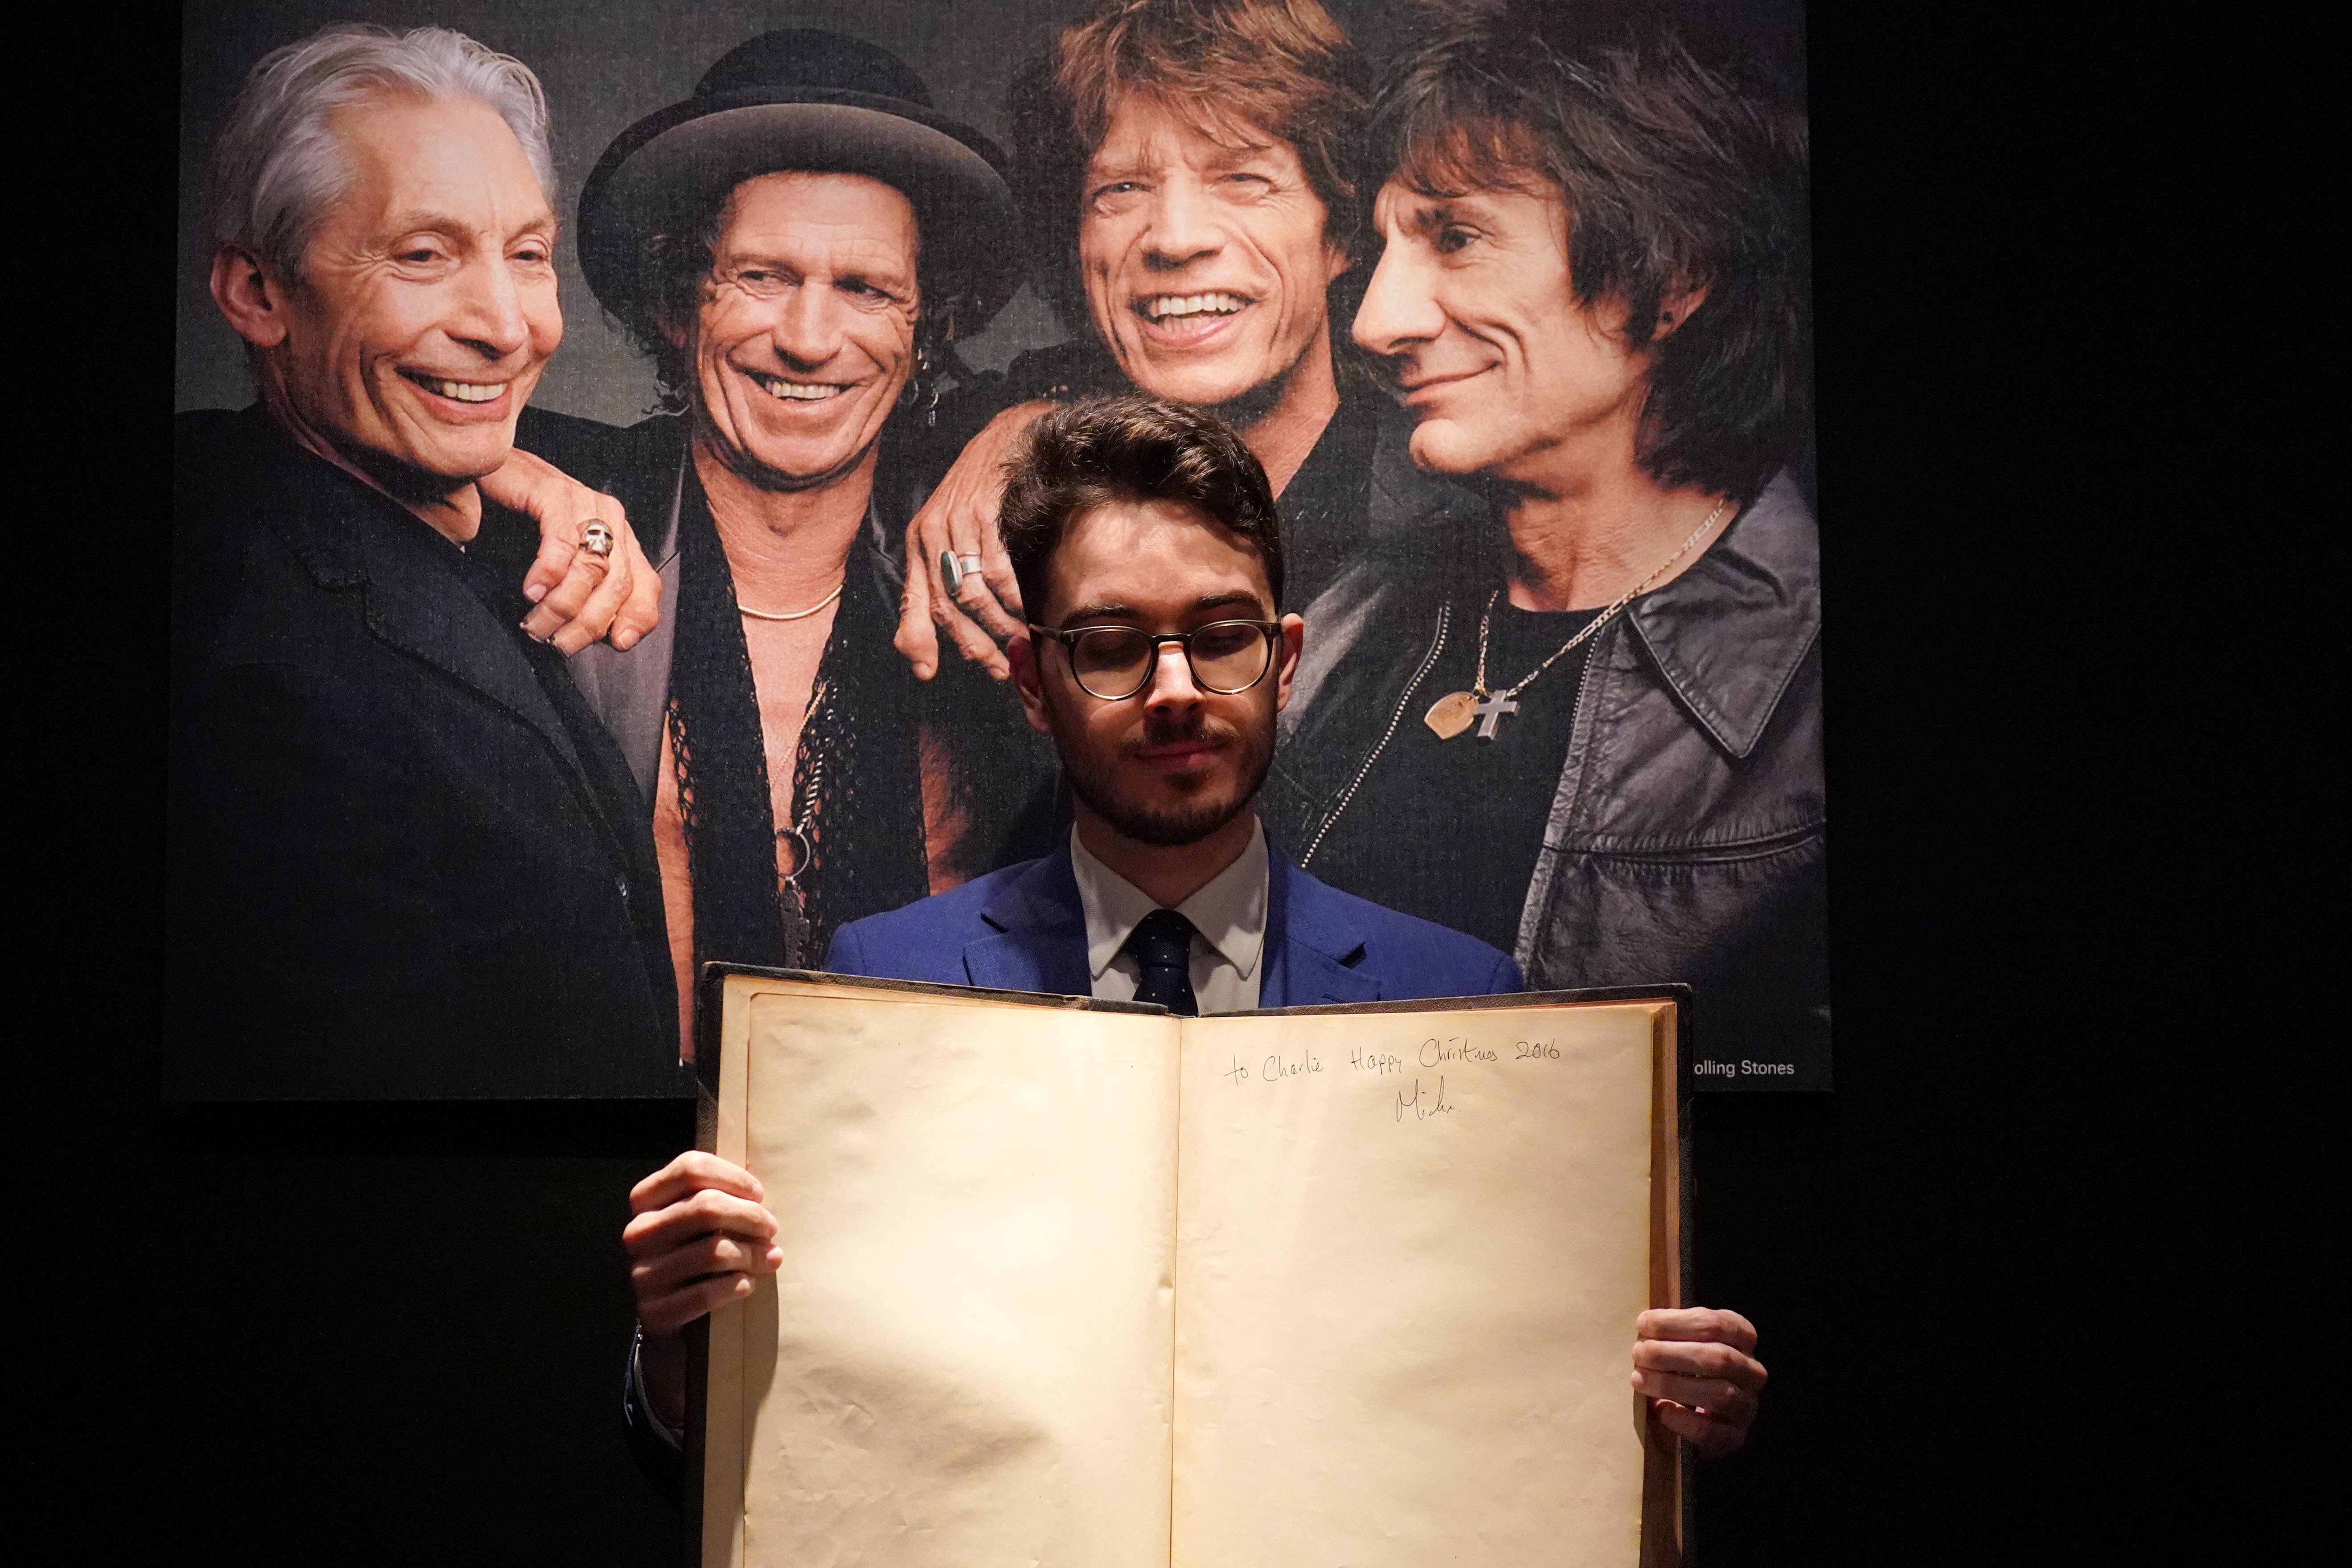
point(1424, 1106)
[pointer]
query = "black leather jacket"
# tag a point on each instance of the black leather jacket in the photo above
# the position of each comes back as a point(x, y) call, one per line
point(1687, 837)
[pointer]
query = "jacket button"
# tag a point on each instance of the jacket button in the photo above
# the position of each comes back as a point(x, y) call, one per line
point(623, 884)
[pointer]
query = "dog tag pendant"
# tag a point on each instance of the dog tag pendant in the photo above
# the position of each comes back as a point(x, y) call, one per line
point(1450, 714)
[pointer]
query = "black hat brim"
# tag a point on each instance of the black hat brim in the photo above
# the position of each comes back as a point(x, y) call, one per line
point(668, 171)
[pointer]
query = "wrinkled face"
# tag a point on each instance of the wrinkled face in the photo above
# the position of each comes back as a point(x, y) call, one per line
point(1504, 372)
point(1172, 763)
point(806, 333)
point(426, 307)
point(1205, 266)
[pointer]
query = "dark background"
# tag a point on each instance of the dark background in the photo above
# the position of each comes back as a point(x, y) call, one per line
point(1996, 1269)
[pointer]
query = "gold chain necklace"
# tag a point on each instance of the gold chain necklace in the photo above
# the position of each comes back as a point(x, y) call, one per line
point(793, 614)
point(1452, 713)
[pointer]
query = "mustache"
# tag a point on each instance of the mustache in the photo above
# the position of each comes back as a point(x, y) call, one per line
point(1161, 729)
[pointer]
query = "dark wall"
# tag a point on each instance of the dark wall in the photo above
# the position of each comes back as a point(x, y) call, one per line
point(396, 1332)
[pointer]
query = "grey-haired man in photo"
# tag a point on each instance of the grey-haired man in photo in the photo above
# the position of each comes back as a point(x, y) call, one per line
point(405, 859)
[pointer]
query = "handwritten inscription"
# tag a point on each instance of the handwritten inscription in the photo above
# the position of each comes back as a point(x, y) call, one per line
point(1437, 1053)
point(1423, 1105)
point(1279, 1068)
point(1275, 1069)
point(1427, 1098)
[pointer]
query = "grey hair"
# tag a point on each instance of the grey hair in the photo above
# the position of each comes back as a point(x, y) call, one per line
point(277, 168)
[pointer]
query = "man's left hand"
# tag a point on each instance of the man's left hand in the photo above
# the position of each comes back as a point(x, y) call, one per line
point(1699, 1366)
point(577, 597)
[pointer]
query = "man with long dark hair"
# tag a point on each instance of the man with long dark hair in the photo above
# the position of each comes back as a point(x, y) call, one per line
point(795, 246)
point(1582, 719)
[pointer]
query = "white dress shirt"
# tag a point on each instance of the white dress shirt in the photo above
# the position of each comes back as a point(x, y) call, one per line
point(1228, 916)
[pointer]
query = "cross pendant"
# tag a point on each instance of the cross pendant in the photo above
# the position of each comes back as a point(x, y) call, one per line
point(1490, 711)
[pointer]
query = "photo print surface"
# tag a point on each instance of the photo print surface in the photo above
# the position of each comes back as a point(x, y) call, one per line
point(1512, 302)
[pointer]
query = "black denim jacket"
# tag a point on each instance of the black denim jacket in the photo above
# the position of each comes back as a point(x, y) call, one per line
point(1687, 837)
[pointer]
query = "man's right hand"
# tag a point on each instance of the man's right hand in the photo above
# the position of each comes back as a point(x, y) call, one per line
point(577, 599)
point(699, 1237)
point(961, 520)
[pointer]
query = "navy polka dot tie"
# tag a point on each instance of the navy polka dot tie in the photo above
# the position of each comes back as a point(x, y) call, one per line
point(1161, 942)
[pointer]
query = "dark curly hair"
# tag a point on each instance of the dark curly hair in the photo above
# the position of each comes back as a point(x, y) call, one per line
point(673, 264)
point(1278, 68)
point(1126, 448)
point(1674, 177)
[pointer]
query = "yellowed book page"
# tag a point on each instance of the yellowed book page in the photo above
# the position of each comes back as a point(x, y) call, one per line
point(1410, 1250)
point(965, 1359)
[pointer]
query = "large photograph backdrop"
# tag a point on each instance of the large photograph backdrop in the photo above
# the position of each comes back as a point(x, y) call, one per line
point(1646, 807)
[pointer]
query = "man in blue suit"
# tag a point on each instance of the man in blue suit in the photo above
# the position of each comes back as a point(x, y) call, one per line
point(1144, 535)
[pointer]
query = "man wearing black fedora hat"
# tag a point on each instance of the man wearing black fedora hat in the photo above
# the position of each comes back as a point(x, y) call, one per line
point(795, 246)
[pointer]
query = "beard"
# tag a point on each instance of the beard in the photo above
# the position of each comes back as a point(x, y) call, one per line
point(1172, 828)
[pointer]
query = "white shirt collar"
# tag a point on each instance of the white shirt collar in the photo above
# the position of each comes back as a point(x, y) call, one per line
point(1229, 911)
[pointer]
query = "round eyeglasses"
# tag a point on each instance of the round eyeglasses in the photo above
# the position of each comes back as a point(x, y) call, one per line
point(1114, 663)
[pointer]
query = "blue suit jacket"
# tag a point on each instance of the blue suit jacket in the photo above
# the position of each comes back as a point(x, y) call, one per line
point(1023, 929)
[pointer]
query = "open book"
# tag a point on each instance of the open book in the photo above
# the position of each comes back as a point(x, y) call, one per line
point(1087, 1285)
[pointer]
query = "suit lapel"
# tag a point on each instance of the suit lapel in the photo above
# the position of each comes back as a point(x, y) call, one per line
point(347, 534)
point(1039, 942)
point(416, 605)
point(1039, 938)
point(1017, 961)
point(1299, 977)
point(1312, 945)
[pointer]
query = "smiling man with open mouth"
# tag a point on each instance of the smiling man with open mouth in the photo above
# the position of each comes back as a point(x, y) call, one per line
point(1186, 171)
point(406, 860)
point(1205, 266)
point(795, 246)
point(803, 336)
point(426, 309)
